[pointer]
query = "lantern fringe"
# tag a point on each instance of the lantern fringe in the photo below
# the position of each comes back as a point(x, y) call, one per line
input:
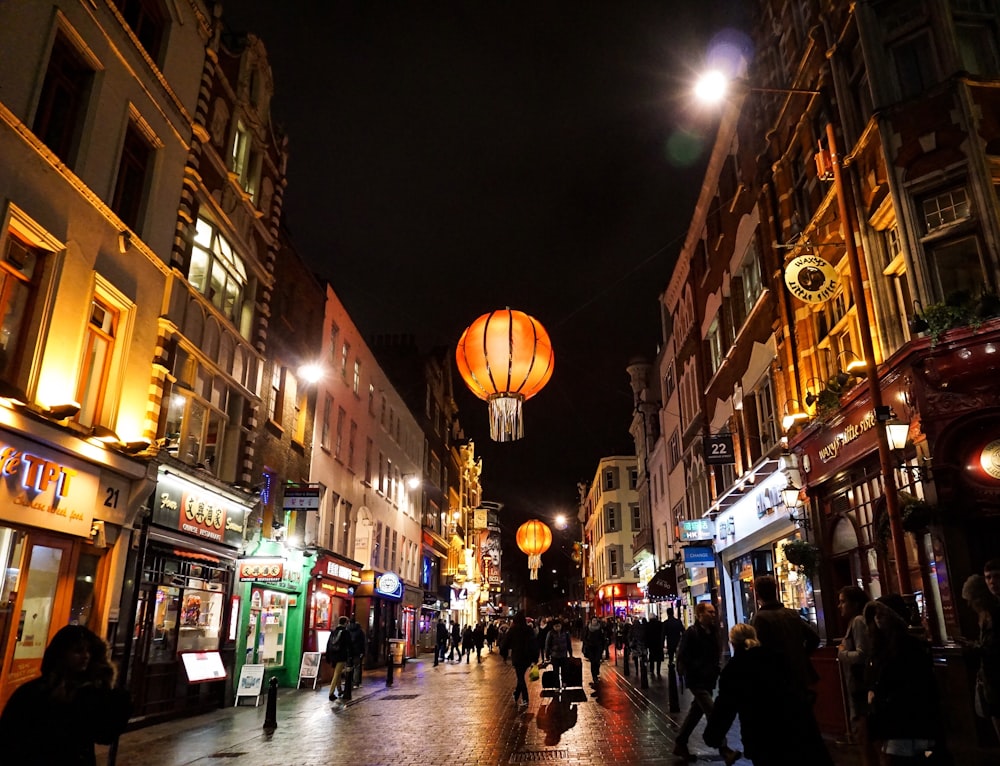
point(506, 424)
point(534, 564)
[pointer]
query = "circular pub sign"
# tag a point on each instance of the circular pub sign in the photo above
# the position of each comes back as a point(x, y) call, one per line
point(989, 459)
point(811, 279)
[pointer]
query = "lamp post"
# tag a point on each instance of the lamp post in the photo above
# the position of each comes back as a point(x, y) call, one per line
point(712, 87)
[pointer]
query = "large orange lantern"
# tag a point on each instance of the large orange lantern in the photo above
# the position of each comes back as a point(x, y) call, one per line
point(505, 357)
point(534, 538)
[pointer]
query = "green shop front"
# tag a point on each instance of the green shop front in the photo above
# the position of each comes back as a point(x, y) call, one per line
point(270, 598)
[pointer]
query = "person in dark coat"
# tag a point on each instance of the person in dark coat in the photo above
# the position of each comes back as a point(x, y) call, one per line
point(986, 649)
point(673, 629)
point(754, 684)
point(478, 639)
point(654, 644)
point(637, 642)
point(698, 661)
point(456, 643)
point(468, 643)
point(492, 634)
point(339, 653)
point(359, 643)
point(594, 644)
point(783, 631)
point(441, 645)
point(58, 717)
point(520, 645)
point(905, 711)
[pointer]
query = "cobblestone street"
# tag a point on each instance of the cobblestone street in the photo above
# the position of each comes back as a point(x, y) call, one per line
point(455, 714)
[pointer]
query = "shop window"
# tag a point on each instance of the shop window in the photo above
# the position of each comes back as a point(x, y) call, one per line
point(268, 619)
point(147, 20)
point(20, 271)
point(98, 353)
point(218, 273)
point(65, 90)
point(134, 170)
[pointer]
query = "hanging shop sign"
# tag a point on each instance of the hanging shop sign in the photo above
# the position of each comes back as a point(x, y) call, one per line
point(719, 449)
point(699, 556)
point(198, 512)
point(693, 530)
point(44, 489)
point(389, 585)
point(663, 584)
point(301, 499)
point(261, 570)
point(811, 279)
point(989, 459)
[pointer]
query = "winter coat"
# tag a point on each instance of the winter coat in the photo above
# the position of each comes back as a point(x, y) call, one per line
point(906, 704)
point(654, 639)
point(673, 629)
point(753, 685)
point(479, 636)
point(594, 642)
point(442, 633)
point(783, 631)
point(358, 641)
point(339, 647)
point(698, 657)
point(468, 638)
point(558, 645)
point(520, 645)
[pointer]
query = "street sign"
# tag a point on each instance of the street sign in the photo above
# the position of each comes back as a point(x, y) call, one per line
point(301, 499)
point(699, 556)
point(719, 449)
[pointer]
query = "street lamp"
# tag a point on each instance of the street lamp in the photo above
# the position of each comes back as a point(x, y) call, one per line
point(713, 87)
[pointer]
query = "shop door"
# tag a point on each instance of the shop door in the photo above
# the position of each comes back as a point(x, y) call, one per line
point(41, 587)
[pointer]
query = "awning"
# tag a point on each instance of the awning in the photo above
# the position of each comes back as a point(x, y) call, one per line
point(663, 584)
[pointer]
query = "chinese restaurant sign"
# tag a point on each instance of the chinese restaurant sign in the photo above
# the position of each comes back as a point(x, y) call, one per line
point(198, 512)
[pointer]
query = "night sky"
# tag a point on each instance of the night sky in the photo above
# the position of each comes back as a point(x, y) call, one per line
point(452, 158)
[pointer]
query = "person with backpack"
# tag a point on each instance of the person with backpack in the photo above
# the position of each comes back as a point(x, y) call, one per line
point(558, 648)
point(339, 651)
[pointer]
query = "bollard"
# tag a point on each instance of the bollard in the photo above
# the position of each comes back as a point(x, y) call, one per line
point(388, 669)
point(675, 705)
point(349, 683)
point(271, 716)
point(643, 675)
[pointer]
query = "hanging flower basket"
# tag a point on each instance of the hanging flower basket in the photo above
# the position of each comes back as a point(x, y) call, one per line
point(803, 555)
point(915, 516)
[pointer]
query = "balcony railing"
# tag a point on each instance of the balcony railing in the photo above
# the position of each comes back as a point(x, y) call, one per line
point(641, 540)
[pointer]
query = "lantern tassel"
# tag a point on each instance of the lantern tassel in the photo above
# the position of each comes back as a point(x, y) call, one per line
point(534, 564)
point(506, 424)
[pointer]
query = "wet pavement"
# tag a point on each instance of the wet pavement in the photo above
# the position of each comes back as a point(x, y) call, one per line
point(457, 714)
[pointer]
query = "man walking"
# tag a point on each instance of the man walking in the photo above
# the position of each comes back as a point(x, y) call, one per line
point(558, 648)
point(358, 643)
point(698, 656)
point(339, 651)
point(673, 629)
point(441, 642)
point(782, 630)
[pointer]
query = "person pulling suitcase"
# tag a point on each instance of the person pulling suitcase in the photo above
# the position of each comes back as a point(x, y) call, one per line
point(558, 648)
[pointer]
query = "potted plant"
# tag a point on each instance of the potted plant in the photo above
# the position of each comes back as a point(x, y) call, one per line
point(803, 555)
point(915, 516)
point(959, 309)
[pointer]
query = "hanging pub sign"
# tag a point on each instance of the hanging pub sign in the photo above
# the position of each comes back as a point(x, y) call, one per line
point(811, 279)
point(989, 459)
point(719, 449)
point(389, 585)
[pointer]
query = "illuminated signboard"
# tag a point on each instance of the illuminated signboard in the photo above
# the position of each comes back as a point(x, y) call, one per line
point(350, 574)
point(698, 556)
point(45, 489)
point(261, 570)
point(697, 529)
point(301, 499)
point(389, 585)
point(202, 667)
point(199, 512)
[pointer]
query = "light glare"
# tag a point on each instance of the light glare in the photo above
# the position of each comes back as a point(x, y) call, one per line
point(711, 87)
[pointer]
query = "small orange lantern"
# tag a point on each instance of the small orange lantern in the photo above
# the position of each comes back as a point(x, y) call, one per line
point(505, 357)
point(534, 538)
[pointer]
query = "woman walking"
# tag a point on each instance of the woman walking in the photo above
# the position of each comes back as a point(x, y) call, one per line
point(519, 643)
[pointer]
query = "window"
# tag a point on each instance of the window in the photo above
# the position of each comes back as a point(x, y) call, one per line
point(339, 435)
point(244, 161)
point(368, 461)
point(636, 516)
point(610, 478)
point(766, 417)
point(674, 450)
point(716, 352)
point(614, 562)
point(59, 118)
point(345, 539)
point(218, 273)
point(351, 439)
point(633, 478)
point(750, 280)
point(98, 350)
point(20, 270)
point(344, 353)
point(371, 399)
point(381, 473)
point(324, 439)
point(914, 60)
point(385, 549)
point(955, 266)
point(392, 560)
point(612, 516)
point(669, 382)
point(357, 377)
point(133, 176)
point(301, 407)
point(203, 423)
point(146, 21)
point(276, 404)
point(334, 348)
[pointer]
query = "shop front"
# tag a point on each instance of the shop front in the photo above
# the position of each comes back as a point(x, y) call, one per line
point(65, 510)
point(621, 600)
point(330, 594)
point(187, 612)
point(379, 609)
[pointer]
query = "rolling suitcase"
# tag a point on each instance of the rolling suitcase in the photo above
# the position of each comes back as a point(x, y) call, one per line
point(573, 673)
point(550, 679)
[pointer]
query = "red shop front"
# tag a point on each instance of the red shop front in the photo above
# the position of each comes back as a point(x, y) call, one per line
point(331, 596)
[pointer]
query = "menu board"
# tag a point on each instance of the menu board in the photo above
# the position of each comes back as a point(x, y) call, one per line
point(202, 667)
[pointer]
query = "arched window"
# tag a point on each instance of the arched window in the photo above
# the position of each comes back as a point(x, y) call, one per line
point(218, 272)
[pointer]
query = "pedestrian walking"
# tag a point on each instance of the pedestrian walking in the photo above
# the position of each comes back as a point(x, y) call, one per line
point(986, 649)
point(359, 643)
point(755, 683)
point(637, 643)
point(609, 637)
point(698, 658)
point(783, 631)
point(441, 642)
point(853, 655)
point(468, 643)
point(492, 634)
point(673, 629)
point(478, 639)
point(558, 648)
point(542, 634)
point(456, 643)
point(520, 645)
point(339, 652)
point(58, 717)
point(905, 711)
point(654, 644)
point(594, 644)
